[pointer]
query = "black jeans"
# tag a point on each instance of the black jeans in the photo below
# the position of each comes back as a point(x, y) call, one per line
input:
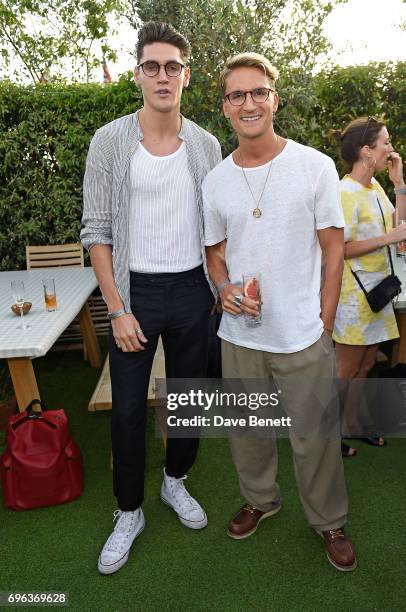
point(175, 306)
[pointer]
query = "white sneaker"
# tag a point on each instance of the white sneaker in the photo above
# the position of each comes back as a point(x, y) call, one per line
point(117, 548)
point(174, 493)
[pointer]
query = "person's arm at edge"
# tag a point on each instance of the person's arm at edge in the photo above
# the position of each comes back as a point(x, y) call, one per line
point(357, 248)
point(395, 168)
point(331, 241)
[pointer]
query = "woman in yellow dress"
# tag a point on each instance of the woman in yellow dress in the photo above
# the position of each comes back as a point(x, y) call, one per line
point(366, 149)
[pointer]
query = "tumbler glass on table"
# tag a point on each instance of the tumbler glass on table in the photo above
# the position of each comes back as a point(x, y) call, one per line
point(49, 294)
point(401, 252)
point(251, 283)
point(401, 246)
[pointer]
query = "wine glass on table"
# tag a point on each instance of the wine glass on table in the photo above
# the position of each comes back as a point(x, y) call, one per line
point(18, 291)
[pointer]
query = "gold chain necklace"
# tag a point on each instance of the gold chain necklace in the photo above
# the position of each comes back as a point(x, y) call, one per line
point(257, 212)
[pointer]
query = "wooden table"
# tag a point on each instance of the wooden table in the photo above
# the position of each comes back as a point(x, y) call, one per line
point(19, 347)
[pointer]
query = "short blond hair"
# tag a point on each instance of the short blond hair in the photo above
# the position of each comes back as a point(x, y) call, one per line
point(251, 60)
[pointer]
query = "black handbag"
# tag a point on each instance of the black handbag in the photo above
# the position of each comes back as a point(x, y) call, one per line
point(387, 289)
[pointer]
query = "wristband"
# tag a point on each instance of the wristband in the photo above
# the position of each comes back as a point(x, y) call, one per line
point(115, 314)
point(223, 284)
point(400, 190)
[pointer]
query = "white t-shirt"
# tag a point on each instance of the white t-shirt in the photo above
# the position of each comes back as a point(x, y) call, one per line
point(301, 196)
point(163, 221)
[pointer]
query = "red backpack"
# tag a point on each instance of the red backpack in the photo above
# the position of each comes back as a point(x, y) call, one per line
point(42, 465)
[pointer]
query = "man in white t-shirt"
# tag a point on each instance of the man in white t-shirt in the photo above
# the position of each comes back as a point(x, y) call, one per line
point(272, 208)
point(143, 226)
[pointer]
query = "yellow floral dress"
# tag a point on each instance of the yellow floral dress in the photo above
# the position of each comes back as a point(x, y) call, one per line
point(355, 322)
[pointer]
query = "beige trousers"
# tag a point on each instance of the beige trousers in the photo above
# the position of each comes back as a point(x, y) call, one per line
point(317, 459)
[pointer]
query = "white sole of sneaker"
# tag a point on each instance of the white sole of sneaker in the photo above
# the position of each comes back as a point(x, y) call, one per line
point(247, 535)
point(191, 524)
point(114, 567)
point(341, 568)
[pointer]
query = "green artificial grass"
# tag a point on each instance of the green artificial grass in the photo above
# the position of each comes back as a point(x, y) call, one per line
point(282, 567)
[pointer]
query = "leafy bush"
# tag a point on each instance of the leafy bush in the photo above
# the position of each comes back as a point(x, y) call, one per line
point(45, 132)
point(342, 94)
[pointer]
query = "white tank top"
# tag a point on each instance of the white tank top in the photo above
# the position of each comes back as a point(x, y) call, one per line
point(163, 216)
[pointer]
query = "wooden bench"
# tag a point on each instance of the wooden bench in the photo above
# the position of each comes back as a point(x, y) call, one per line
point(101, 398)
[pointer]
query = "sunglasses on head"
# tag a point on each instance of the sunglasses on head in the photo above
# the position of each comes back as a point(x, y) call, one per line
point(370, 118)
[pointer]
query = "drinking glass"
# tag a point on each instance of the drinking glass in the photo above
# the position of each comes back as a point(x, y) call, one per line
point(251, 283)
point(401, 252)
point(401, 246)
point(49, 294)
point(18, 292)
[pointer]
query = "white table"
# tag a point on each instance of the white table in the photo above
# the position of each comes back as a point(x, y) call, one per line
point(19, 347)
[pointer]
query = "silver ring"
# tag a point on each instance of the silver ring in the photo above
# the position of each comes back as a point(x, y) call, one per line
point(118, 345)
point(238, 300)
point(138, 331)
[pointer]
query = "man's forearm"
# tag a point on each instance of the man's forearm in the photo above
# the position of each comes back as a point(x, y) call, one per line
point(331, 241)
point(331, 287)
point(102, 262)
point(216, 263)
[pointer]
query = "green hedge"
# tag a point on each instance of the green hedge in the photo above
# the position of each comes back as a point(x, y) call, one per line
point(342, 94)
point(45, 132)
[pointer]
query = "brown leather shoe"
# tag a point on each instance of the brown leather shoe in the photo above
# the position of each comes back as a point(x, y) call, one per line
point(340, 549)
point(246, 521)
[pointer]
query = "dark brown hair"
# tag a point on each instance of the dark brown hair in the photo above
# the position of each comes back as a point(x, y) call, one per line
point(156, 31)
point(358, 133)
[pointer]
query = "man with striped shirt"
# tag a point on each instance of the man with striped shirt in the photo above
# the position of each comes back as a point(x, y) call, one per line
point(144, 230)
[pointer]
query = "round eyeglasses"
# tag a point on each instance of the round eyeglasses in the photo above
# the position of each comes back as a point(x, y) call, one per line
point(259, 95)
point(151, 68)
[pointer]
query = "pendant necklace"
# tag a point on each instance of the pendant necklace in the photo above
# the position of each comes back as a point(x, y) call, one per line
point(257, 212)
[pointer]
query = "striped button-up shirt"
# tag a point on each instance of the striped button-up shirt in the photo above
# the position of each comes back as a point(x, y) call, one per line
point(106, 188)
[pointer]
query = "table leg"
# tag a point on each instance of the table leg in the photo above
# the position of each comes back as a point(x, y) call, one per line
point(89, 337)
point(399, 346)
point(24, 381)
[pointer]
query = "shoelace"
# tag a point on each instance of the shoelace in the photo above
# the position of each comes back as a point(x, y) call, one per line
point(116, 514)
point(335, 534)
point(181, 494)
point(121, 530)
point(249, 508)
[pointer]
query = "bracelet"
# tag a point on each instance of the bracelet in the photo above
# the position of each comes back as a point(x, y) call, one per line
point(223, 284)
point(400, 190)
point(328, 330)
point(115, 314)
